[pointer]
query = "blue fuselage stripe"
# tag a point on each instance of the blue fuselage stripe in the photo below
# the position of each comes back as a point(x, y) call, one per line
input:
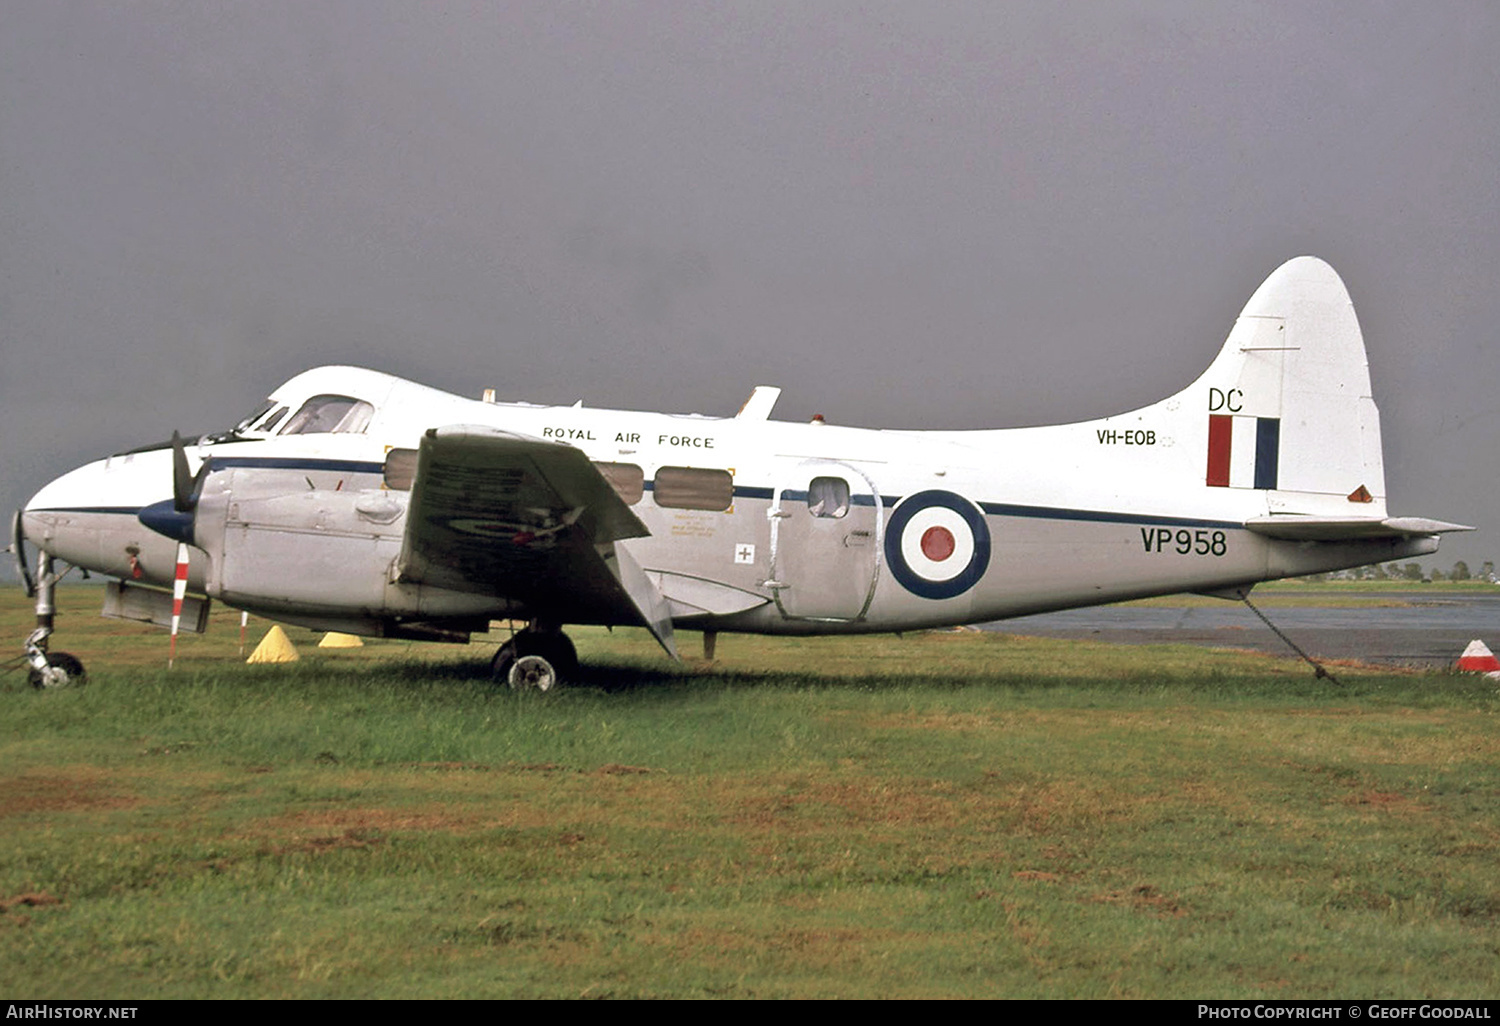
point(1000, 509)
point(119, 510)
point(296, 463)
point(997, 509)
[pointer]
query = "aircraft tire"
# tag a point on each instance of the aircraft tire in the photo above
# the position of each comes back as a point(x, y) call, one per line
point(557, 648)
point(500, 665)
point(532, 673)
point(553, 646)
point(64, 670)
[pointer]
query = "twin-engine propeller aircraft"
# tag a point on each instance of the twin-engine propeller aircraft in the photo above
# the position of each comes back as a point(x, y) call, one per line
point(357, 502)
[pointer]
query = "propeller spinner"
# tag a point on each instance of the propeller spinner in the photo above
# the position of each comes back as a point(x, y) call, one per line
point(174, 517)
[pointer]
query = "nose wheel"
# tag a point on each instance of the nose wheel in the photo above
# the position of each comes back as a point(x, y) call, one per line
point(63, 670)
point(49, 670)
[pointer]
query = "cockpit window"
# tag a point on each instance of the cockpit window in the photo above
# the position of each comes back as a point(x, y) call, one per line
point(260, 411)
point(274, 419)
point(323, 414)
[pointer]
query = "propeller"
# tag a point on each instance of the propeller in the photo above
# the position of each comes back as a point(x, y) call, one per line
point(174, 517)
point(186, 485)
point(186, 488)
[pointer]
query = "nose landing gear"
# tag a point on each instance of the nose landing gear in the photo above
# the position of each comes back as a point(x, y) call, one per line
point(49, 670)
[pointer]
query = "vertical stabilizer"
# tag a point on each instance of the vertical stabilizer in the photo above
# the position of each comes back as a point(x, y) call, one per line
point(1288, 404)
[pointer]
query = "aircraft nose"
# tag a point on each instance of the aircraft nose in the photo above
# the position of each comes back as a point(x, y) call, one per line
point(51, 509)
point(88, 517)
point(27, 527)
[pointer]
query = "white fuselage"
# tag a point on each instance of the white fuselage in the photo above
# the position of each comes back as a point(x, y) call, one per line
point(827, 528)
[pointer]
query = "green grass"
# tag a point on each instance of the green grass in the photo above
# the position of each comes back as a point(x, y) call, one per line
point(953, 814)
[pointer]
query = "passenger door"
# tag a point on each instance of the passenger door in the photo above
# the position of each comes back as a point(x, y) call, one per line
point(827, 531)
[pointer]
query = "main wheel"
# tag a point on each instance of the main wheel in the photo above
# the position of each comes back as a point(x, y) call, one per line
point(554, 647)
point(500, 666)
point(532, 673)
point(64, 670)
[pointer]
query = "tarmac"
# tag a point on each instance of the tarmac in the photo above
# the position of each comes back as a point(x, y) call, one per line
point(1427, 631)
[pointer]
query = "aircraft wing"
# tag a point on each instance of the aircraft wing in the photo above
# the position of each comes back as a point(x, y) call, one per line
point(1291, 527)
point(523, 518)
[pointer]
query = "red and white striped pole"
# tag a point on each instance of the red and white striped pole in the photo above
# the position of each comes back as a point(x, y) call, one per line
point(179, 590)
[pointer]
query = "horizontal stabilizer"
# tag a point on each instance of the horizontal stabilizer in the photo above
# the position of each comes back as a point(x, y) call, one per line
point(1306, 528)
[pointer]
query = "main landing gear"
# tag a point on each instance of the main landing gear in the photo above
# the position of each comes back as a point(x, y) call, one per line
point(49, 670)
point(538, 658)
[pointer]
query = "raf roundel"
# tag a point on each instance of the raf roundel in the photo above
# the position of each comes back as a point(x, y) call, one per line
point(937, 544)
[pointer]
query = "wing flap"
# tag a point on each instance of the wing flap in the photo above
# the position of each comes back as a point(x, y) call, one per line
point(647, 598)
point(694, 596)
point(530, 520)
point(1290, 527)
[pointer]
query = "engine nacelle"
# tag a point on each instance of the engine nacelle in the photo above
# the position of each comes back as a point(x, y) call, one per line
point(321, 556)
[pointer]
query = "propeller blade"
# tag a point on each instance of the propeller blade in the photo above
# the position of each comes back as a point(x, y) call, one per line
point(185, 484)
point(182, 477)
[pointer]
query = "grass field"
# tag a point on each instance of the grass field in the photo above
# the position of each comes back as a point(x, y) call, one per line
point(950, 814)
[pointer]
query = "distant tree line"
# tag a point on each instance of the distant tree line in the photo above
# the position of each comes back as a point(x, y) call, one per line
point(1411, 572)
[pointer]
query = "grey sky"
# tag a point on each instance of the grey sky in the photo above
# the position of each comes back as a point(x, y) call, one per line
point(907, 214)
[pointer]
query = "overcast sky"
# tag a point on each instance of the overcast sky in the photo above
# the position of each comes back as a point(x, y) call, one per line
point(906, 214)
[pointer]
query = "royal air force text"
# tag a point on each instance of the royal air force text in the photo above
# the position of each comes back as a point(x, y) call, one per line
point(568, 434)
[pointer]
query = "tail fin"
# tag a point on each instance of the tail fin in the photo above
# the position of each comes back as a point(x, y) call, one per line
point(1280, 433)
point(1288, 400)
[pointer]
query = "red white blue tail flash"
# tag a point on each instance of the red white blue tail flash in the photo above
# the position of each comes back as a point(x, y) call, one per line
point(1243, 452)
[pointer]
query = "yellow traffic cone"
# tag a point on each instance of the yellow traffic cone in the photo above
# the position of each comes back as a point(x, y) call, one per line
point(275, 647)
point(333, 639)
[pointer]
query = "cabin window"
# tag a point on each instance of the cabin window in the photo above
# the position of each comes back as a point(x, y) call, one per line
point(400, 469)
point(694, 488)
point(828, 497)
point(627, 479)
point(330, 414)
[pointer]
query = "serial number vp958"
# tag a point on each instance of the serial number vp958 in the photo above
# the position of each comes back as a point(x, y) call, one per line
point(1201, 541)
